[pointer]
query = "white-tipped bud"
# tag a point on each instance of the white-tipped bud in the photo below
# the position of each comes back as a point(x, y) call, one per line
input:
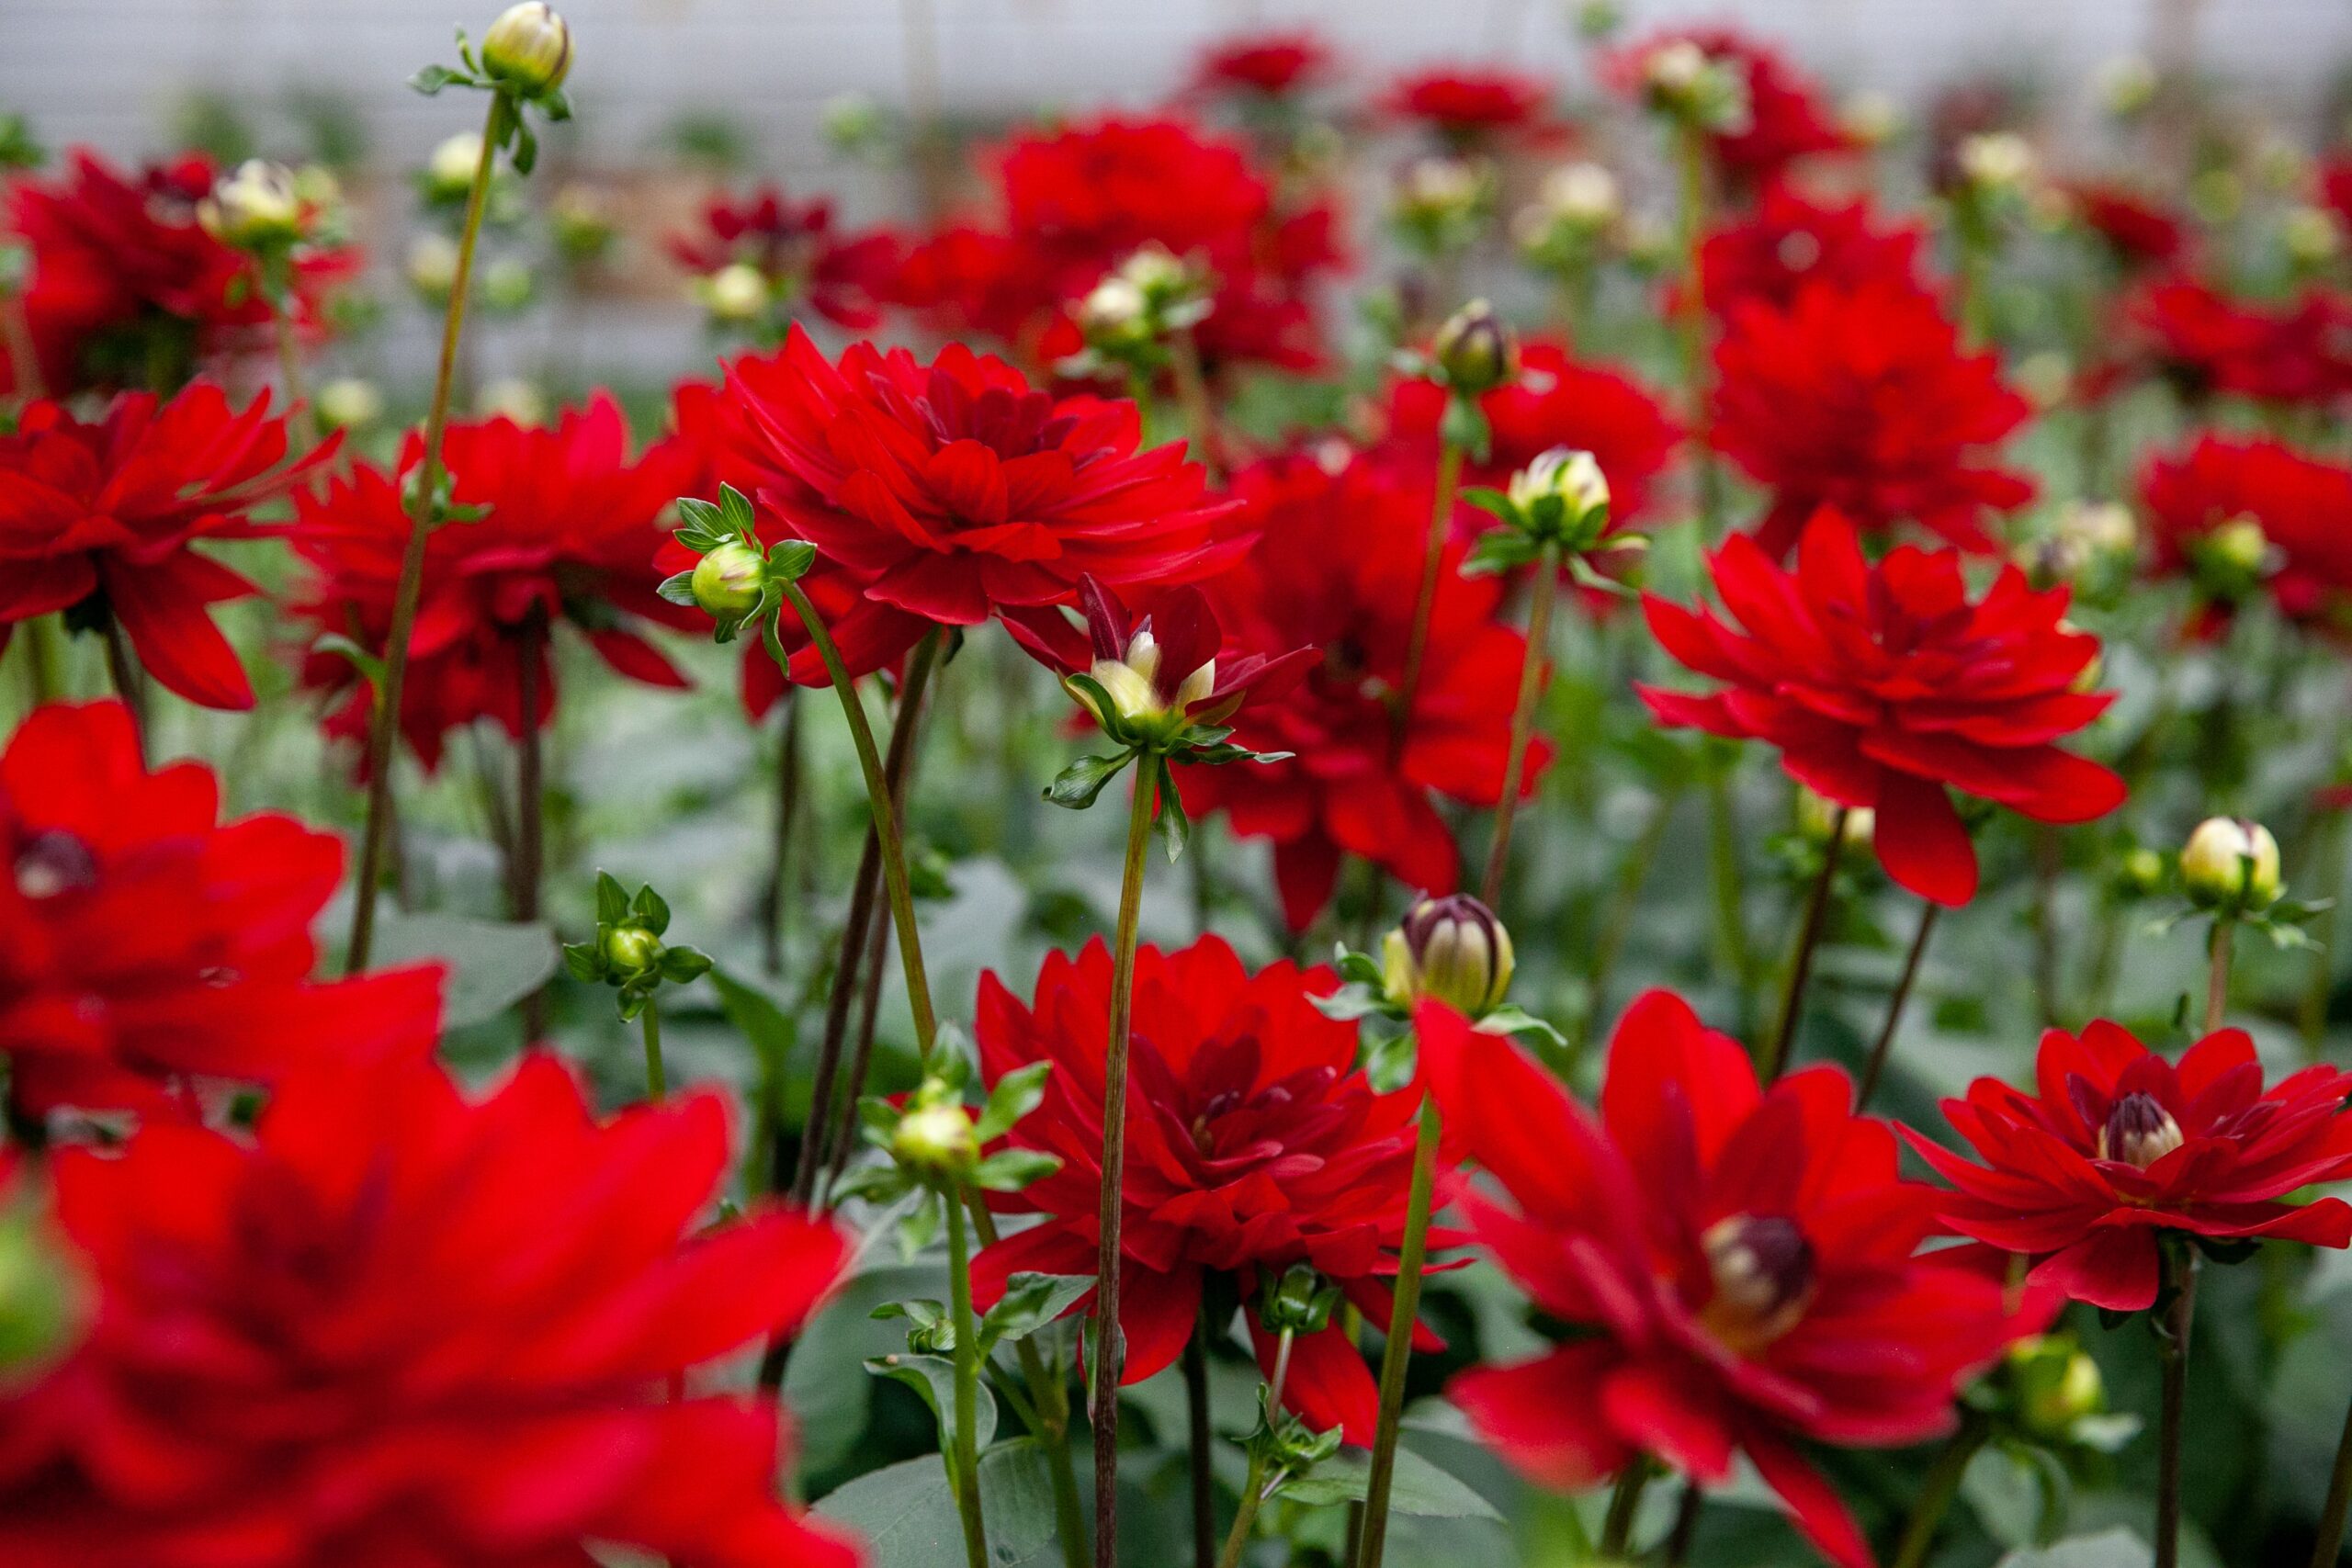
point(2230, 866)
point(1451, 950)
point(1995, 161)
point(736, 293)
point(449, 172)
point(528, 48)
point(349, 402)
point(2311, 235)
point(254, 208)
point(432, 265)
point(1583, 195)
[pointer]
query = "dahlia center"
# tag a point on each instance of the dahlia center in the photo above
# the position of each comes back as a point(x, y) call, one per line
point(55, 863)
point(1762, 1269)
point(2139, 1131)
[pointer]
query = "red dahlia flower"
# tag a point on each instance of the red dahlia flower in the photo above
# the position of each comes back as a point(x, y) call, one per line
point(2300, 502)
point(1266, 64)
point(1253, 1142)
point(2121, 1143)
point(1173, 653)
point(1742, 1264)
point(1785, 117)
point(954, 491)
point(396, 1328)
point(570, 533)
point(1361, 782)
point(101, 516)
point(1861, 400)
point(2296, 353)
point(1790, 240)
point(1884, 685)
point(797, 248)
point(1466, 106)
point(2135, 232)
point(146, 946)
point(1555, 400)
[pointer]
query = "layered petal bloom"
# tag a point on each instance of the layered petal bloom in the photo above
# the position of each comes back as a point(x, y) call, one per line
point(1862, 399)
point(1364, 779)
point(1884, 685)
point(149, 950)
point(1468, 106)
point(1170, 658)
point(1555, 400)
point(396, 1328)
point(1253, 1142)
point(570, 531)
point(1785, 119)
point(99, 517)
point(2300, 502)
point(1741, 1265)
point(1791, 239)
point(2118, 1144)
point(954, 491)
point(799, 248)
point(2297, 352)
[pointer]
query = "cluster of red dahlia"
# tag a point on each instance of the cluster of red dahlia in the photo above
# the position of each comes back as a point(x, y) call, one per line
point(2292, 353)
point(1781, 117)
point(798, 249)
point(1790, 239)
point(2298, 503)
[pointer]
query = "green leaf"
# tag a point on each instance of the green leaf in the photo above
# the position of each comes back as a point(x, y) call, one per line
point(790, 560)
point(1175, 827)
point(678, 588)
point(433, 78)
point(651, 911)
point(1494, 502)
point(1513, 1019)
point(1030, 1301)
point(682, 964)
point(1417, 1487)
point(612, 900)
point(907, 1515)
point(492, 963)
point(2116, 1548)
point(1017, 1094)
point(880, 1183)
point(702, 527)
point(758, 1019)
point(525, 151)
point(585, 960)
point(1077, 785)
point(1010, 1170)
point(370, 667)
point(735, 512)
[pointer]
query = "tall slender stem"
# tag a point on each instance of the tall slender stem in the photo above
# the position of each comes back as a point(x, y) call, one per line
point(1110, 1342)
point(1196, 1412)
point(2328, 1544)
point(1622, 900)
point(657, 1078)
point(1730, 886)
point(774, 900)
point(1259, 1485)
point(24, 359)
point(841, 1141)
point(1403, 1310)
point(966, 1465)
point(1625, 1503)
point(1448, 480)
point(40, 656)
point(383, 726)
point(1894, 1004)
point(1049, 1394)
point(1522, 714)
point(122, 669)
point(2172, 1341)
point(1686, 1524)
point(1200, 408)
point(1816, 911)
point(304, 419)
point(2217, 975)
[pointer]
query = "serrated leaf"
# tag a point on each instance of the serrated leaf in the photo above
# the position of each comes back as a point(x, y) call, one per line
point(1017, 1094)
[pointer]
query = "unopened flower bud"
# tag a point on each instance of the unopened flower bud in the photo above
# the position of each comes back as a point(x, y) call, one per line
point(1583, 195)
point(1995, 161)
point(735, 293)
point(254, 208)
point(1451, 950)
point(853, 123)
point(348, 403)
point(2231, 865)
point(2056, 1384)
point(937, 1139)
point(2232, 557)
point(729, 580)
point(2139, 873)
point(1476, 350)
point(433, 267)
point(1871, 117)
point(2100, 528)
point(528, 48)
point(2311, 235)
point(633, 949)
point(1114, 313)
point(513, 397)
point(1763, 1272)
point(449, 172)
point(1442, 198)
point(1301, 1300)
point(581, 217)
point(2139, 1131)
point(1566, 491)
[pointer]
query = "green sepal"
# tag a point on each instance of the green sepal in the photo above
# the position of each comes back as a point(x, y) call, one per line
point(1077, 785)
point(1017, 1094)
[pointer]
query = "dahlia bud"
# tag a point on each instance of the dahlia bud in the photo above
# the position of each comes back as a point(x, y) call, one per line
point(736, 293)
point(433, 267)
point(1301, 1300)
point(1581, 195)
point(2232, 557)
point(449, 172)
point(2139, 1131)
point(2230, 866)
point(528, 48)
point(2126, 86)
point(2056, 1384)
point(2139, 873)
point(1451, 950)
point(1440, 201)
point(1683, 80)
point(349, 402)
point(729, 580)
point(582, 218)
point(1476, 350)
point(632, 950)
point(1995, 161)
point(1115, 314)
point(254, 208)
point(936, 1138)
point(1763, 1272)
point(1563, 493)
point(2100, 528)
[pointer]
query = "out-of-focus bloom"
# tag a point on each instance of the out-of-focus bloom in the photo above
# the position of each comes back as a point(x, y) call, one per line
point(2297, 352)
point(583, 220)
point(447, 176)
point(2313, 235)
point(1790, 239)
point(1995, 162)
point(1742, 1265)
point(1464, 107)
point(1264, 64)
point(570, 531)
point(1441, 204)
point(2135, 232)
point(2126, 84)
point(254, 208)
point(349, 402)
point(1254, 1142)
point(953, 491)
point(1884, 685)
point(2119, 1144)
point(2239, 516)
point(1862, 399)
point(430, 268)
point(1363, 780)
point(149, 950)
point(2231, 865)
point(795, 250)
point(1780, 116)
point(1448, 949)
point(99, 517)
point(452, 1340)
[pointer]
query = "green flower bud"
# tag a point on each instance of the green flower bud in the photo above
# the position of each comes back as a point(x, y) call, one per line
point(348, 403)
point(2056, 1384)
point(729, 580)
point(1816, 814)
point(528, 48)
point(449, 172)
point(936, 1139)
point(736, 293)
point(2139, 873)
point(2126, 86)
point(2230, 866)
point(254, 208)
point(1476, 350)
point(632, 950)
point(1451, 950)
point(1301, 1300)
point(1995, 161)
point(1564, 495)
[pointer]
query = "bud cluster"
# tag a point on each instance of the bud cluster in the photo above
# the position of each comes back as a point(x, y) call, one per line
point(1131, 316)
point(1681, 81)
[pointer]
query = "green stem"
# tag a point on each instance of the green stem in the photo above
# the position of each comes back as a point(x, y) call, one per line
point(1730, 884)
point(1937, 1488)
point(2312, 1014)
point(2329, 1543)
point(1109, 1342)
point(1197, 1414)
point(1259, 1484)
point(1686, 1524)
point(40, 666)
point(1816, 911)
point(289, 370)
point(1625, 1503)
point(1523, 716)
point(879, 807)
point(1396, 1357)
point(967, 1385)
point(775, 902)
point(1894, 1004)
point(1624, 899)
point(122, 669)
point(1449, 480)
point(2172, 1340)
point(383, 726)
point(1049, 1394)
point(2217, 975)
point(657, 1081)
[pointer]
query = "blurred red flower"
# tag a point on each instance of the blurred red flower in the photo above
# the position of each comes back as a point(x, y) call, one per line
point(1338, 569)
point(2135, 230)
point(2297, 352)
point(1555, 400)
point(147, 949)
point(1741, 1264)
point(2300, 502)
point(953, 491)
point(398, 1328)
point(1790, 239)
point(1268, 64)
point(1862, 399)
point(1884, 685)
point(125, 282)
point(99, 516)
point(796, 247)
point(570, 533)
point(2119, 1144)
point(1254, 1142)
point(1470, 106)
point(1785, 118)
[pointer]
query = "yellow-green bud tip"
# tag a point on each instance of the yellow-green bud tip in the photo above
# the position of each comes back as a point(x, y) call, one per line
point(730, 580)
point(528, 48)
point(2230, 866)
